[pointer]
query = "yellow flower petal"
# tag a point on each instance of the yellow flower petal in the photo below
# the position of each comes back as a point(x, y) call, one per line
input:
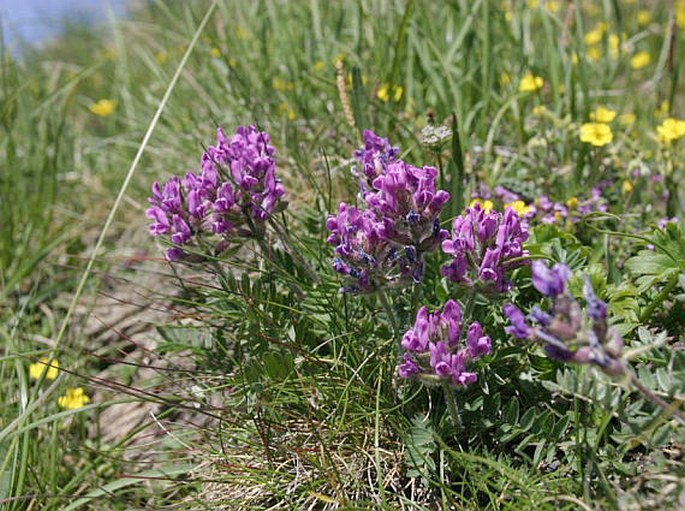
point(596, 133)
point(51, 368)
point(530, 83)
point(640, 60)
point(603, 114)
point(73, 399)
point(103, 107)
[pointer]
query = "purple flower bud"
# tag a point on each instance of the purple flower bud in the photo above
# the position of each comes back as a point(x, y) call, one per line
point(550, 282)
point(518, 326)
point(478, 344)
point(596, 308)
point(408, 367)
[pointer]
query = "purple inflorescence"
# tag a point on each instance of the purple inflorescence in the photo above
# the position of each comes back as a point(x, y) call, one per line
point(373, 158)
point(386, 242)
point(561, 330)
point(483, 246)
point(235, 192)
point(434, 351)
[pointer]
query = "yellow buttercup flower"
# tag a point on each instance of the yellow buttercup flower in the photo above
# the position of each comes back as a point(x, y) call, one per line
point(73, 399)
point(284, 109)
point(384, 93)
point(215, 52)
point(626, 186)
point(161, 56)
point(485, 205)
point(627, 119)
point(593, 37)
point(504, 78)
point(552, 5)
point(602, 114)
point(51, 368)
point(572, 203)
point(530, 83)
point(640, 60)
point(593, 53)
point(519, 206)
point(596, 133)
point(103, 107)
point(671, 129)
point(643, 17)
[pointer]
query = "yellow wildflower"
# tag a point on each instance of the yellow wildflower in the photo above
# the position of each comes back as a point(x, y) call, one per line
point(593, 37)
point(671, 129)
point(73, 399)
point(504, 79)
point(680, 16)
point(663, 108)
point(103, 107)
point(614, 42)
point(626, 186)
point(486, 205)
point(284, 109)
point(627, 119)
point(161, 57)
point(384, 92)
point(596, 133)
point(51, 368)
point(215, 52)
point(540, 110)
point(602, 26)
point(552, 5)
point(281, 85)
point(533, 4)
point(643, 17)
point(593, 53)
point(603, 114)
point(519, 206)
point(640, 60)
point(572, 203)
point(530, 83)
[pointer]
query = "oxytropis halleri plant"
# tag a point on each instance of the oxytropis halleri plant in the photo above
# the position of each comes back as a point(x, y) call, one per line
point(385, 242)
point(484, 245)
point(434, 350)
point(233, 195)
point(570, 336)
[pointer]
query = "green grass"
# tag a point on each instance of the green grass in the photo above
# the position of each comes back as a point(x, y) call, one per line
point(273, 388)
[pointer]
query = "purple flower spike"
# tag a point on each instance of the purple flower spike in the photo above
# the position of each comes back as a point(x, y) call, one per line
point(550, 282)
point(483, 247)
point(399, 225)
point(235, 193)
point(434, 349)
point(518, 326)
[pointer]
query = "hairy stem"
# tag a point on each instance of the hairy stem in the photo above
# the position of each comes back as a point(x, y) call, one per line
point(451, 402)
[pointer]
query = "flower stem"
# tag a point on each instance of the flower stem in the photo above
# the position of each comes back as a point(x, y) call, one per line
point(391, 316)
point(451, 402)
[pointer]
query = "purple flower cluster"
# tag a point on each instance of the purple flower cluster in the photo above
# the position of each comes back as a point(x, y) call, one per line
point(233, 195)
point(386, 242)
point(433, 351)
point(561, 329)
point(483, 246)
